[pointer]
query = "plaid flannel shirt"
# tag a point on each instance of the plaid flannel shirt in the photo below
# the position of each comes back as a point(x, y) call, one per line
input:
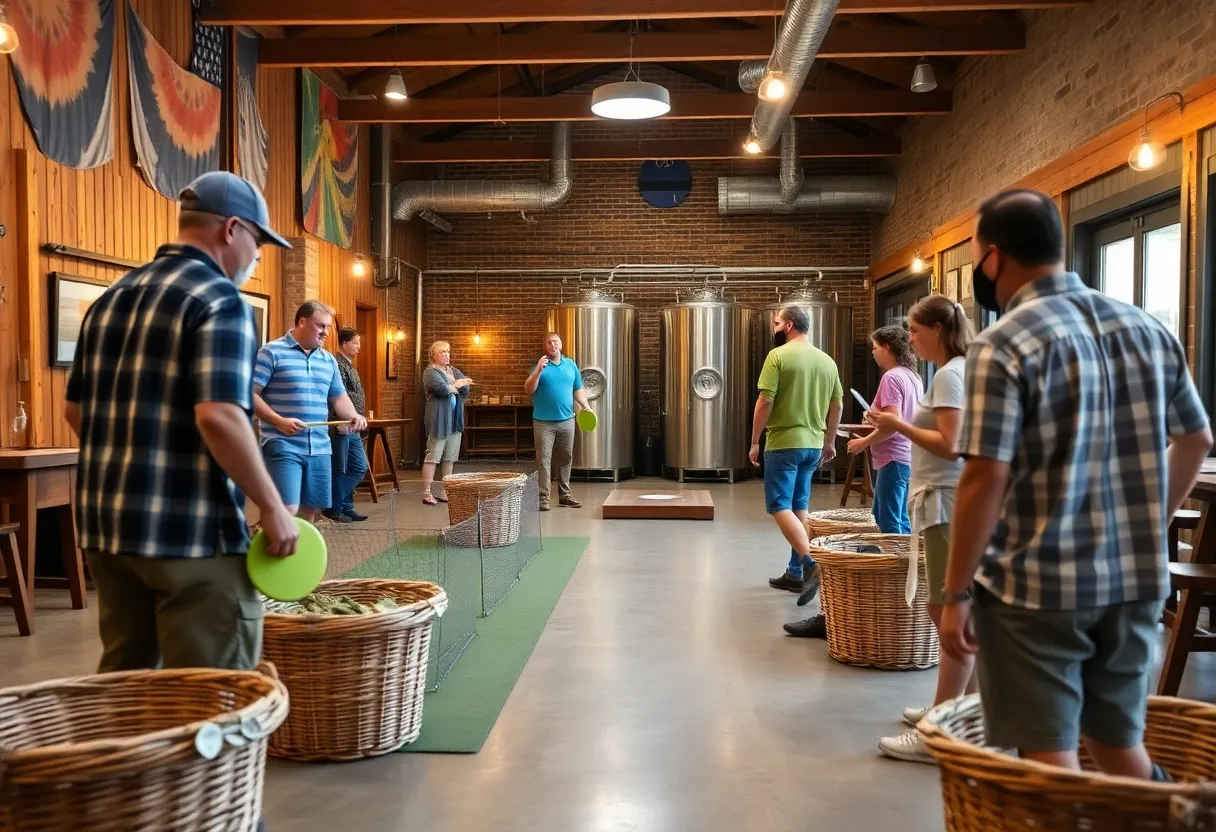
point(169, 335)
point(1079, 393)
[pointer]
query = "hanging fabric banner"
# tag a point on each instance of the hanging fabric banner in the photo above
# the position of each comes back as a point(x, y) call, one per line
point(329, 163)
point(175, 115)
point(253, 142)
point(65, 76)
point(209, 57)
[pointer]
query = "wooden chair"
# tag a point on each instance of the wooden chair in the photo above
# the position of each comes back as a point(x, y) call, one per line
point(1194, 580)
point(1185, 519)
point(14, 577)
point(863, 485)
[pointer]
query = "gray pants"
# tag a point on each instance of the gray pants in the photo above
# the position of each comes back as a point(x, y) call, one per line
point(554, 445)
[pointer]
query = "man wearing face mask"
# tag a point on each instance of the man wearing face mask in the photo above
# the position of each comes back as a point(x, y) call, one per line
point(799, 406)
point(1082, 433)
point(160, 395)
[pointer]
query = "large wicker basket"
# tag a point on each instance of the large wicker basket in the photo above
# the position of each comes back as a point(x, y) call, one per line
point(841, 521)
point(984, 789)
point(862, 595)
point(356, 681)
point(124, 751)
point(500, 496)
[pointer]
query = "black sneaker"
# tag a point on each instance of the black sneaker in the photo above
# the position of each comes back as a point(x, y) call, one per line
point(787, 582)
point(814, 627)
point(354, 515)
point(335, 516)
point(810, 584)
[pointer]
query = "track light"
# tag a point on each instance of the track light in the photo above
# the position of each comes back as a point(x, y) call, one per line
point(395, 87)
point(1148, 153)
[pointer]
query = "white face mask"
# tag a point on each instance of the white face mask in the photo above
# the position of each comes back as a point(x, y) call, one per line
point(243, 276)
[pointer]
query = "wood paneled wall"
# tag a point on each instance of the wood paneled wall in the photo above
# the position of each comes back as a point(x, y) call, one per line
point(111, 210)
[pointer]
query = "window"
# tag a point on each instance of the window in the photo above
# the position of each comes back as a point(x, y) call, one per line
point(1138, 260)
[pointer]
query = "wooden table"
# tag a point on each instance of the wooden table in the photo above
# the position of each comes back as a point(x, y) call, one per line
point(377, 435)
point(638, 504)
point(44, 478)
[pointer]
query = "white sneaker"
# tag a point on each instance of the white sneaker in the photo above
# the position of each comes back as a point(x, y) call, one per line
point(914, 715)
point(907, 746)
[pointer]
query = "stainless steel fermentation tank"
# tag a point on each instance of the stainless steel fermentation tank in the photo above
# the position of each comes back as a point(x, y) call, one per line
point(706, 354)
point(600, 332)
point(831, 330)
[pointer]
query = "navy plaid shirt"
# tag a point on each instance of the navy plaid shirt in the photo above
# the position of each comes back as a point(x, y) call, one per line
point(1079, 393)
point(167, 336)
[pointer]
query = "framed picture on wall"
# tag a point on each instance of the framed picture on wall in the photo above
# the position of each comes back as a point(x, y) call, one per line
point(950, 289)
point(390, 364)
point(71, 297)
point(964, 282)
point(261, 314)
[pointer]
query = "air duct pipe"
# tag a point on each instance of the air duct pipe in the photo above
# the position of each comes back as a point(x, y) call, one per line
point(485, 195)
point(382, 217)
point(803, 27)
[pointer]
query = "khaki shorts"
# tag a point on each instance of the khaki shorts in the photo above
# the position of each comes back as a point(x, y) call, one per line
point(444, 449)
point(937, 550)
point(175, 612)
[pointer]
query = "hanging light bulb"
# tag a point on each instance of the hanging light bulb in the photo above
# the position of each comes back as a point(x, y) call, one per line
point(360, 267)
point(476, 337)
point(1149, 153)
point(752, 146)
point(773, 87)
point(8, 38)
point(924, 79)
point(394, 89)
point(918, 263)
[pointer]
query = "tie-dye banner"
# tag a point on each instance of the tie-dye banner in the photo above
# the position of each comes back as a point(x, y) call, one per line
point(175, 115)
point(329, 163)
point(253, 142)
point(65, 76)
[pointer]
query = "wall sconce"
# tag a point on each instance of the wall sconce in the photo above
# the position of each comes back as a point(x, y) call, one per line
point(400, 334)
point(918, 262)
point(1148, 154)
point(359, 268)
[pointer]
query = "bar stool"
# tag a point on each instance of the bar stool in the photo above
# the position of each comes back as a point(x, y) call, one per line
point(1195, 580)
point(14, 578)
point(864, 487)
point(1179, 552)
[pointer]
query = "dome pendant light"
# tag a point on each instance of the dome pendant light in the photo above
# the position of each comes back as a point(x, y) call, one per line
point(394, 89)
point(1149, 153)
point(924, 79)
point(630, 100)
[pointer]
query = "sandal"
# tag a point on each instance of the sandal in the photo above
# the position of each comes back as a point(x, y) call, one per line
point(442, 499)
point(428, 499)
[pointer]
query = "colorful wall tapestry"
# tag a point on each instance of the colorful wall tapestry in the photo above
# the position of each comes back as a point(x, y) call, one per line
point(65, 76)
point(253, 142)
point(175, 115)
point(329, 163)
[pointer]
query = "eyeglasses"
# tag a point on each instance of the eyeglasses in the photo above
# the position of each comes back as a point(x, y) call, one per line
point(255, 233)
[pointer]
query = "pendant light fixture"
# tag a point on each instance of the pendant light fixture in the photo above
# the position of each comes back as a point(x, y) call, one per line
point(1149, 153)
point(8, 35)
point(630, 100)
point(773, 86)
point(394, 88)
point(752, 146)
point(924, 79)
point(918, 262)
point(359, 267)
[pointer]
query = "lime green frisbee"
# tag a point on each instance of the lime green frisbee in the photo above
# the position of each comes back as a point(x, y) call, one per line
point(289, 578)
point(587, 420)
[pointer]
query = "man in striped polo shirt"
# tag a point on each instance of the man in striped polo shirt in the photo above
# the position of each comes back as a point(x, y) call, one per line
point(295, 384)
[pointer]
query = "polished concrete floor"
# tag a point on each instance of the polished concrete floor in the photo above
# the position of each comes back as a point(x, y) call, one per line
point(663, 696)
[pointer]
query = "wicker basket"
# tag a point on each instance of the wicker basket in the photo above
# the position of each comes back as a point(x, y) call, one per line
point(500, 496)
point(841, 521)
point(118, 751)
point(356, 681)
point(862, 595)
point(984, 789)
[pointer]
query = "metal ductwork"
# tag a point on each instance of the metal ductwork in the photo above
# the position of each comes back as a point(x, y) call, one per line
point(790, 174)
point(762, 195)
point(803, 27)
point(487, 195)
point(382, 218)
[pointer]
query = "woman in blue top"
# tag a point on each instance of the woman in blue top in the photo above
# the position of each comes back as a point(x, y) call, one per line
point(446, 389)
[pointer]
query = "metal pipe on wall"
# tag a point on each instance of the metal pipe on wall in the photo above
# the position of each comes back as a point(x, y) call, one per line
point(658, 269)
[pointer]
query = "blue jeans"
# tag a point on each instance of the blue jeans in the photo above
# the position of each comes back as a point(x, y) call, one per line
point(349, 466)
point(891, 498)
point(787, 487)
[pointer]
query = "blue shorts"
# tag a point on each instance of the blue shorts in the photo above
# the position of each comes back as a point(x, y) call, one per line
point(787, 478)
point(302, 480)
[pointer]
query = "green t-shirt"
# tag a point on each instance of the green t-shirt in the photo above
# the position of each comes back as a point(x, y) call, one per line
point(802, 381)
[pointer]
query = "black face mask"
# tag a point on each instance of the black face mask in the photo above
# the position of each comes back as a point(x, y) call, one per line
point(778, 337)
point(984, 287)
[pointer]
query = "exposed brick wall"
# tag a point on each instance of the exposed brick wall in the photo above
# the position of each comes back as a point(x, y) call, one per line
point(1084, 70)
point(301, 277)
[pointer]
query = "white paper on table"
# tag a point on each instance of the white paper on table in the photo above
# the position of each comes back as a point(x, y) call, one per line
point(860, 399)
point(1208, 466)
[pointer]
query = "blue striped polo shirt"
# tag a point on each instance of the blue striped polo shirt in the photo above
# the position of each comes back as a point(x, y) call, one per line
point(298, 385)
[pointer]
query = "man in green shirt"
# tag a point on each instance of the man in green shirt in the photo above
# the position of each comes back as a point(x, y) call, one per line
point(800, 404)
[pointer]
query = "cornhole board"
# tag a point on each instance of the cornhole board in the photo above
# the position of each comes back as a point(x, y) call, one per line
point(645, 504)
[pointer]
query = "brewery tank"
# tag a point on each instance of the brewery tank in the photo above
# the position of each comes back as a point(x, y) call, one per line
point(705, 355)
point(831, 330)
point(600, 332)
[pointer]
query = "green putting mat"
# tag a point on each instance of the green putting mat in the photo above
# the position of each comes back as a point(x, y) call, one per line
point(458, 717)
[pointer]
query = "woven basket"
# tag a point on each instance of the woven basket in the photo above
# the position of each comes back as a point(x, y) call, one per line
point(356, 681)
point(984, 789)
point(118, 751)
point(862, 595)
point(500, 496)
point(841, 521)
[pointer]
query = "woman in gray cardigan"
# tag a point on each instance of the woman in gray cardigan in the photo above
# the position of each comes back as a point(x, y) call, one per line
point(446, 389)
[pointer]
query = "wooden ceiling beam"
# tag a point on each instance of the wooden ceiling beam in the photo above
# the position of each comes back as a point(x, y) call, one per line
point(350, 12)
point(687, 105)
point(649, 47)
point(600, 151)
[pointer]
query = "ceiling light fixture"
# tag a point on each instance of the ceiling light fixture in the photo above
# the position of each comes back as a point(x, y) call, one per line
point(630, 100)
point(752, 146)
point(918, 262)
point(394, 88)
point(1148, 153)
point(773, 87)
point(359, 268)
point(924, 79)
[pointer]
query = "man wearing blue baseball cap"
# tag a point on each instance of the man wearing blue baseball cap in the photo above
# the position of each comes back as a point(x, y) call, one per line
point(160, 394)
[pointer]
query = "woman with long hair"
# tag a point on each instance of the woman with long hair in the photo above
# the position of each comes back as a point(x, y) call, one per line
point(446, 389)
point(898, 392)
point(941, 333)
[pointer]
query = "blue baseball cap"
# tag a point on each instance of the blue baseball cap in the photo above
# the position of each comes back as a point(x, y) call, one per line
point(228, 195)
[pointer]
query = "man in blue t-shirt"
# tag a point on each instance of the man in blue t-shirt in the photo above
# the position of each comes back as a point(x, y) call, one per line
point(556, 387)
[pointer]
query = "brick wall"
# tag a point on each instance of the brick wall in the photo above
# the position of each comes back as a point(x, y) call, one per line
point(1085, 69)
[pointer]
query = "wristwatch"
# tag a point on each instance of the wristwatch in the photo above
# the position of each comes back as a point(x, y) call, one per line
point(958, 597)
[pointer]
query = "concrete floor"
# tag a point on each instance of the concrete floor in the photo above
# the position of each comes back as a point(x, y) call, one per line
point(662, 696)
